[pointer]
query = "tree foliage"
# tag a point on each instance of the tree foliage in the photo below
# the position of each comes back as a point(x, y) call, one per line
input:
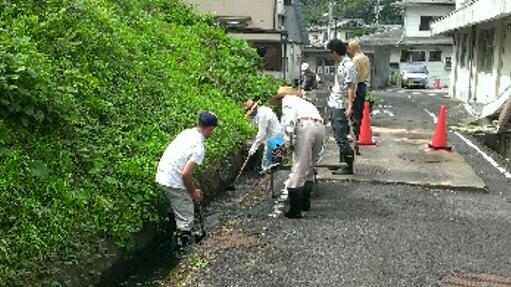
point(314, 11)
point(91, 92)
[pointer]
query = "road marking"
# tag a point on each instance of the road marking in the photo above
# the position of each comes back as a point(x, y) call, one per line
point(432, 95)
point(469, 109)
point(388, 113)
point(488, 158)
point(410, 97)
point(435, 119)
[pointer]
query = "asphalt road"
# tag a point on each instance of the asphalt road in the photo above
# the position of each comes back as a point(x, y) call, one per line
point(363, 234)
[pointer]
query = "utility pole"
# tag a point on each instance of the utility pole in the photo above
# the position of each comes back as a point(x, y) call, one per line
point(330, 15)
point(377, 10)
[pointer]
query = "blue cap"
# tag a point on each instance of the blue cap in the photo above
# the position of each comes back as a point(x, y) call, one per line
point(208, 119)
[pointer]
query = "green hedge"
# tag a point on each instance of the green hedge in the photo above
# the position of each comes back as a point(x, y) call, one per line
point(91, 92)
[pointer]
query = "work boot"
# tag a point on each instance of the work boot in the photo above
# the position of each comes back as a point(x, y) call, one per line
point(341, 156)
point(307, 190)
point(348, 159)
point(295, 203)
point(184, 239)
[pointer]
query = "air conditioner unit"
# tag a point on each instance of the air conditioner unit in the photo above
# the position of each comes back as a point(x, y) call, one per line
point(281, 10)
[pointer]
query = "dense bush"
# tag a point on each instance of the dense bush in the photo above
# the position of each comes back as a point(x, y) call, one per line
point(91, 92)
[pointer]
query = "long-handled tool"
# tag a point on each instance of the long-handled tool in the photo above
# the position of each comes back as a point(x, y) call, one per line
point(242, 168)
point(232, 186)
point(200, 215)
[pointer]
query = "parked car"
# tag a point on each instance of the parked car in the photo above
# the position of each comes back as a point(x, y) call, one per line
point(415, 75)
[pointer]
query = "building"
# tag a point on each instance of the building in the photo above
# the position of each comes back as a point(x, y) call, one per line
point(274, 27)
point(341, 29)
point(316, 54)
point(392, 49)
point(481, 74)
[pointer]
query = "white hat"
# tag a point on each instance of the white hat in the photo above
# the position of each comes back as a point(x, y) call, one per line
point(305, 67)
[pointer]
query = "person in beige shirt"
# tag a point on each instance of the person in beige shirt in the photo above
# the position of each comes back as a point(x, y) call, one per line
point(362, 66)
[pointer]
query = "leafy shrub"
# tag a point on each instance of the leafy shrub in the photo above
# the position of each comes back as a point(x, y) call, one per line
point(91, 92)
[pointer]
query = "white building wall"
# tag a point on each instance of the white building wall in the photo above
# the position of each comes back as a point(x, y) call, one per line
point(294, 61)
point(395, 55)
point(470, 82)
point(413, 18)
point(460, 75)
point(261, 12)
point(504, 83)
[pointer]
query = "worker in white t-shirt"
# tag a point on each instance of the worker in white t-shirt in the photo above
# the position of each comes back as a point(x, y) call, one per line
point(174, 174)
point(269, 132)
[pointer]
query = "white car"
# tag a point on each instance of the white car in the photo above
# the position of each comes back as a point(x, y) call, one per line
point(415, 75)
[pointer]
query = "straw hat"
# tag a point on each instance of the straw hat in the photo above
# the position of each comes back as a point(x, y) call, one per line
point(285, 91)
point(249, 107)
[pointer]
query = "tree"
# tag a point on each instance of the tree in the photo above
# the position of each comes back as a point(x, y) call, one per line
point(362, 9)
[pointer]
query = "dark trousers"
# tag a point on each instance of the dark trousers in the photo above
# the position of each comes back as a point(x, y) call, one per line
point(341, 129)
point(358, 107)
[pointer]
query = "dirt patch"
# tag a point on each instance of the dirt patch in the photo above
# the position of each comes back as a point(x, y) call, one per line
point(476, 280)
point(413, 136)
point(231, 240)
point(423, 157)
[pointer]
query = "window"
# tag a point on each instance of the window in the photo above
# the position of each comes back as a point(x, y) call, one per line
point(394, 66)
point(349, 35)
point(448, 63)
point(435, 56)
point(413, 56)
point(425, 24)
point(288, 2)
point(418, 56)
point(486, 47)
point(271, 54)
point(405, 56)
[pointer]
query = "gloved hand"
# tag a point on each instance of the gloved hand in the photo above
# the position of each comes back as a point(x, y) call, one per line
point(289, 142)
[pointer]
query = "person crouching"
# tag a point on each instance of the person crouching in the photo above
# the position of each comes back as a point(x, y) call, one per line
point(269, 131)
point(174, 174)
point(304, 133)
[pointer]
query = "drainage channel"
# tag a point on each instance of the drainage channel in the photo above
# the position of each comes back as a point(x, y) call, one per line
point(500, 143)
point(154, 272)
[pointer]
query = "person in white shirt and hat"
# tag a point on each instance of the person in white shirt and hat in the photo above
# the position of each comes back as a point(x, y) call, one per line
point(269, 131)
point(305, 132)
point(174, 174)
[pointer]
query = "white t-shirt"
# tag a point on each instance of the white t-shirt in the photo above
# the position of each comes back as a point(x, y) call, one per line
point(346, 74)
point(188, 145)
point(294, 108)
point(268, 126)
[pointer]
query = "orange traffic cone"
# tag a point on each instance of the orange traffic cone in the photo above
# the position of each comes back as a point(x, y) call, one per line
point(440, 135)
point(437, 84)
point(366, 134)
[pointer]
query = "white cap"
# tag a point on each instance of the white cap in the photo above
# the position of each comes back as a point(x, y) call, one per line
point(305, 66)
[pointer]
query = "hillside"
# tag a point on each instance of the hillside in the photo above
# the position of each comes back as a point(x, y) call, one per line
point(91, 93)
